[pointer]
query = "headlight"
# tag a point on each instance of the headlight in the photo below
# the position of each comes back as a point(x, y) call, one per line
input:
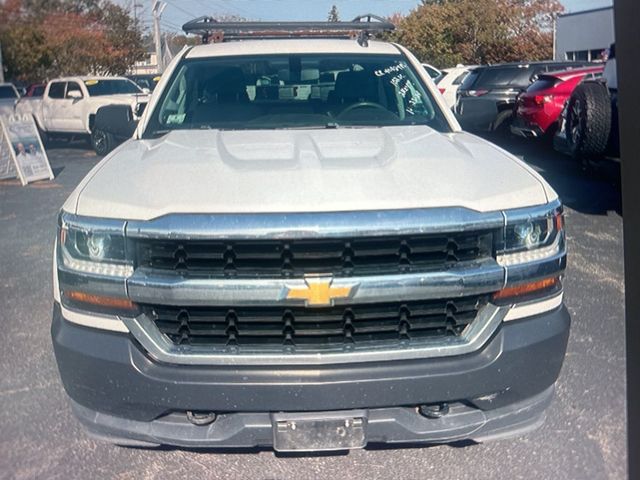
point(94, 246)
point(531, 236)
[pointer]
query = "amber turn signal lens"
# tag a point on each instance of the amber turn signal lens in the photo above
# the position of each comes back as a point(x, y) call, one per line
point(558, 221)
point(526, 288)
point(109, 302)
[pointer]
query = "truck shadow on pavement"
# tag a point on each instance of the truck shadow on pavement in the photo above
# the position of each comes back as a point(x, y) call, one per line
point(334, 453)
point(593, 193)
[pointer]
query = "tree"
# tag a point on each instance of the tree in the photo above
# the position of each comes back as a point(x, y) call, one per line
point(447, 32)
point(333, 14)
point(45, 38)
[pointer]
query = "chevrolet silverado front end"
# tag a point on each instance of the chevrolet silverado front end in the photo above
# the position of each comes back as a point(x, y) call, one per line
point(300, 249)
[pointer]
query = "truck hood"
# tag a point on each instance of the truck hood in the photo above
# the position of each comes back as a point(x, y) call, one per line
point(348, 169)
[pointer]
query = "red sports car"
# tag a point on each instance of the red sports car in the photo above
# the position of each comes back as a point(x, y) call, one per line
point(538, 109)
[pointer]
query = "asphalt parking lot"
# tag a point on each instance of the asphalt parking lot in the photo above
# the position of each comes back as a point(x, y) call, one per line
point(584, 435)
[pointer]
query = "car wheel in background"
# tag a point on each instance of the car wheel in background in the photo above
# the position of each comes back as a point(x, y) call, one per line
point(44, 136)
point(502, 123)
point(588, 121)
point(102, 142)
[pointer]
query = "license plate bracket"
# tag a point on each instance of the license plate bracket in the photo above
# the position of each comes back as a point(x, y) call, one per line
point(330, 431)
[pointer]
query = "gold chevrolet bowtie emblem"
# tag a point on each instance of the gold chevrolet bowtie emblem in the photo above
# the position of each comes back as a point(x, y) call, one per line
point(318, 291)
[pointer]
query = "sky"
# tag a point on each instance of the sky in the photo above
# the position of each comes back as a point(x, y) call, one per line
point(178, 12)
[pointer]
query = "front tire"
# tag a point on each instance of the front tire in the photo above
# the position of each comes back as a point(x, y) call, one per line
point(588, 121)
point(102, 142)
point(44, 136)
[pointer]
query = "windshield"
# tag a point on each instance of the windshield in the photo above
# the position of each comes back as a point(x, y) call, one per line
point(294, 91)
point(37, 91)
point(470, 79)
point(149, 82)
point(7, 91)
point(544, 82)
point(504, 76)
point(97, 88)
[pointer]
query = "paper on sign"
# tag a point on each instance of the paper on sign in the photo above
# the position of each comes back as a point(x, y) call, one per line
point(29, 157)
point(7, 168)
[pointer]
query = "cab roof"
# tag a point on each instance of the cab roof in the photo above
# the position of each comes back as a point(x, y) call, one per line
point(86, 78)
point(291, 46)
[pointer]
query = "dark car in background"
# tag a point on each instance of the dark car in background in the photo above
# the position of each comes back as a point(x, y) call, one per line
point(538, 109)
point(485, 100)
point(35, 90)
point(148, 81)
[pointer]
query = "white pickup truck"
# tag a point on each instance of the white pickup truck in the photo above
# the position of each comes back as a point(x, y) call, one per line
point(261, 264)
point(8, 98)
point(69, 105)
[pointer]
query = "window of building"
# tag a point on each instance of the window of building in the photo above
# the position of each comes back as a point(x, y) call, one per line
point(585, 55)
point(596, 54)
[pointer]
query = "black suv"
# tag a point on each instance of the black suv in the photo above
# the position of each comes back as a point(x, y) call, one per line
point(485, 100)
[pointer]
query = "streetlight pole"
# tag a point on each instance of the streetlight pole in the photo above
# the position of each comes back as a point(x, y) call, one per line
point(554, 17)
point(1, 66)
point(157, 7)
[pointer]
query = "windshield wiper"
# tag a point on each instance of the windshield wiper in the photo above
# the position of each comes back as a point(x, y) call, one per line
point(309, 127)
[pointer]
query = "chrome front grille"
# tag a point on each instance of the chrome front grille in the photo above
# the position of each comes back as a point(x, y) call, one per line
point(367, 286)
point(394, 324)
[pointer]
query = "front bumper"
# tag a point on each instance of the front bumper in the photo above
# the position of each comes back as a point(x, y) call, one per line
point(119, 393)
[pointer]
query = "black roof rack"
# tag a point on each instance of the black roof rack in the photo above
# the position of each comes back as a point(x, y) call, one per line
point(359, 28)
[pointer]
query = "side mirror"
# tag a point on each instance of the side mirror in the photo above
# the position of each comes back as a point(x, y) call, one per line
point(139, 109)
point(116, 119)
point(146, 90)
point(74, 94)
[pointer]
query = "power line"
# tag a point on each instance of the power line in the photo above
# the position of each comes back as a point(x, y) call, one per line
point(239, 10)
point(203, 4)
point(171, 26)
point(179, 8)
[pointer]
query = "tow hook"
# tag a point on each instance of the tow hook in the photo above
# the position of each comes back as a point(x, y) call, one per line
point(437, 410)
point(201, 418)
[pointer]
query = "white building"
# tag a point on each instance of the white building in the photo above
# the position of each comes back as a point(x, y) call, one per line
point(584, 35)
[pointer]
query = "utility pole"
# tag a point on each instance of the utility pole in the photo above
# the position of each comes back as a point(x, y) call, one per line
point(554, 17)
point(157, 7)
point(134, 9)
point(1, 66)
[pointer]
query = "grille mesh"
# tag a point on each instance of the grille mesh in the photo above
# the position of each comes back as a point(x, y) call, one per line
point(288, 259)
point(316, 328)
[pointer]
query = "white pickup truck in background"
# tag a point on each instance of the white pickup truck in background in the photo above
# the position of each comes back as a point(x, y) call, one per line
point(69, 105)
point(8, 98)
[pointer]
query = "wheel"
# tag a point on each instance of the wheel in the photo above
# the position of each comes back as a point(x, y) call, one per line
point(501, 125)
point(588, 122)
point(44, 136)
point(102, 142)
point(546, 140)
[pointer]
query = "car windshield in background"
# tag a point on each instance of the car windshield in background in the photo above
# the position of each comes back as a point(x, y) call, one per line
point(7, 91)
point(504, 77)
point(146, 81)
point(294, 91)
point(433, 73)
point(470, 79)
point(544, 82)
point(98, 88)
